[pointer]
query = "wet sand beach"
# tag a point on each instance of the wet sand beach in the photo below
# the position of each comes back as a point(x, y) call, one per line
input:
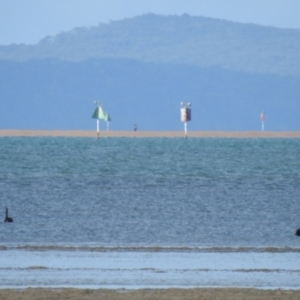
point(153, 294)
point(143, 134)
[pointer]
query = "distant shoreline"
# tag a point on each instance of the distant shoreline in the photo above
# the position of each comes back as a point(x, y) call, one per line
point(154, 134)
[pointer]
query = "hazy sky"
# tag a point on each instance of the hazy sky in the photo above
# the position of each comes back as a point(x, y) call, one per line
point(28, 21)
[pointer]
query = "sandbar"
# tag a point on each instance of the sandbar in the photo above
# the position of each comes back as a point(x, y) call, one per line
point(149, 134)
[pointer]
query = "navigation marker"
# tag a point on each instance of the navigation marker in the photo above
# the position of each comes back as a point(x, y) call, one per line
point(262, 119)
point(99, 115)
point(107, 119)
point(185, 115)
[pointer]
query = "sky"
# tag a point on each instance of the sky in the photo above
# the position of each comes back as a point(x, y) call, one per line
point(29, 21)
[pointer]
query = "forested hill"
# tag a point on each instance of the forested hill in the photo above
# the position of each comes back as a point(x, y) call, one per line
point(199, 41)
point(142, 68)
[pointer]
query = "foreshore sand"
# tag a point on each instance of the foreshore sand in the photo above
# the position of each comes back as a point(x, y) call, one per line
point(148, 134)
point(153, 294)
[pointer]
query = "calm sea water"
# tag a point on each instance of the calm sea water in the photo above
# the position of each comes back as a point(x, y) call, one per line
point(150, 212)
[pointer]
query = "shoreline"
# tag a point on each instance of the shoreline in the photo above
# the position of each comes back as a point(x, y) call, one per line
point(153, 294)
point(148, 134)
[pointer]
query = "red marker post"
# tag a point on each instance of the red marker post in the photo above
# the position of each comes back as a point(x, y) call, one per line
point(262, 119)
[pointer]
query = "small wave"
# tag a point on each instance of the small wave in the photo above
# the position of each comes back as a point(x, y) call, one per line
point(266, 270)
point(37, 268)
point(151, 270)
point(89, 248)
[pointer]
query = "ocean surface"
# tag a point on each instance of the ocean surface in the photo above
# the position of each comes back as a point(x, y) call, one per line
point(150, 212)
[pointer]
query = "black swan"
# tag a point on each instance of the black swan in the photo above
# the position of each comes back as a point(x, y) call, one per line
point(7, 218)
point(297, 232)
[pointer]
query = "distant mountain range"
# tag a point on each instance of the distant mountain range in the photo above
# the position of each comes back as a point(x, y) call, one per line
point(142, 68)
point(183, 39)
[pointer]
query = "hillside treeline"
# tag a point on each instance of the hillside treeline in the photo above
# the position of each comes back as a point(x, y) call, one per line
point(204, 42)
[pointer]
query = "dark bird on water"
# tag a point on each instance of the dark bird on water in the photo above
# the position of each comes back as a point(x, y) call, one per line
point(7, 218)
point(298, 232)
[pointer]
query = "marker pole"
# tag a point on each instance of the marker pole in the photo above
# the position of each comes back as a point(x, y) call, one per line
point(98, 128)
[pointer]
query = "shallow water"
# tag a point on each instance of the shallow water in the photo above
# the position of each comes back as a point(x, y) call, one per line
point(140, 269)
point(235, 199)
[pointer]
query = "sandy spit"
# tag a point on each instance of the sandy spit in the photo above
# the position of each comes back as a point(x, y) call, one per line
point(153, 294)
point(141, 134)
